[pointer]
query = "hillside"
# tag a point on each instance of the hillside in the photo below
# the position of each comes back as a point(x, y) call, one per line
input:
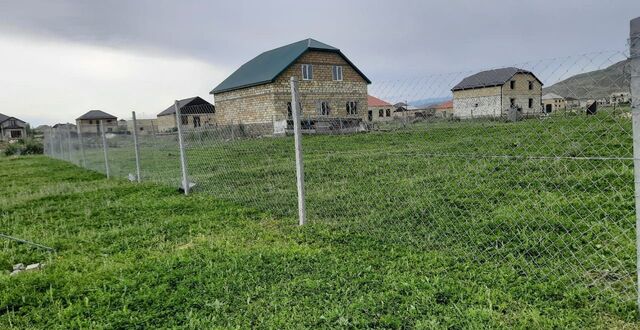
point(594, 84)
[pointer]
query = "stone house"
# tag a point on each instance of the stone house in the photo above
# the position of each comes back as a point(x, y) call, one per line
point(144, 126)
point(258, 93)
point(553, 102)
point(195, 112)
point(379, 110)
point(90, 122)
point(492, 93)
point(12, 128)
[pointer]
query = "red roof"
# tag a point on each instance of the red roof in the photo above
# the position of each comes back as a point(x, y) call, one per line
point(445, 105)
point(376, 102)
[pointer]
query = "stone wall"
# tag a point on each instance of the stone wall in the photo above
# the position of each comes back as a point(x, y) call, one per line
point(521, 93)
point(475, 103)
point(167, 123)
point(93, 126)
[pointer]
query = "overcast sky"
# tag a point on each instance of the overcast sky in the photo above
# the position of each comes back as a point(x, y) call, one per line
point(59, 59)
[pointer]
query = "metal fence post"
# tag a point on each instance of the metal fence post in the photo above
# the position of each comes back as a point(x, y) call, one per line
point(69, 146)
point(634, 47)
point(183, 156)
point(298, 145)
point(83, 159)
point(59, 138)
point(105, 149)
point(136, 145)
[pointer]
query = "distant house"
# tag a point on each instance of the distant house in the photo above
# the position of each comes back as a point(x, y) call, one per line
point(445, 109)
point(66, 126)
point(90, 122)
point(553, 102)
point(12, 128)
point(492, 93)
point(259, 93)
point(144, 126)
point(620, 97)
point(379, 110)
point(195, 112)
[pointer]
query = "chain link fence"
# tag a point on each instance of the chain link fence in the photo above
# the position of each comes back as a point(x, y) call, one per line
point(538, 173)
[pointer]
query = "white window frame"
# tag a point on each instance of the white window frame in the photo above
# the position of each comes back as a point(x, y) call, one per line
point(307, 71)
point(337, 73)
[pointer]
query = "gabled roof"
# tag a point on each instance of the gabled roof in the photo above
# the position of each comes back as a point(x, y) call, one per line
point(96, 114)
point(192, 105)
point(266, 67)
point(490, 78)
point(551, 96)
point(373, 101)
point(4, 118)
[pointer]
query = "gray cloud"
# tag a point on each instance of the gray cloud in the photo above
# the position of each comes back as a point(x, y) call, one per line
point(387, 39)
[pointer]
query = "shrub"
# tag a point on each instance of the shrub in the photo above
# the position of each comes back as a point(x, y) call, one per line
point(12, 149)
point(33, 147)
point(28, 147)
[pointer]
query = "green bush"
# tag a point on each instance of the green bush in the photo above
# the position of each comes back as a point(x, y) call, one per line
point(33, 147)
point(24, 147)
point(11, 150)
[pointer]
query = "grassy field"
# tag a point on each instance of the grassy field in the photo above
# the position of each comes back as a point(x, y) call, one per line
point(471, 224)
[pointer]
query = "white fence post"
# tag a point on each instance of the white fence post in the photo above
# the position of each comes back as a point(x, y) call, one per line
point(634, 51)
point(136, 146)
point(183, 156)
point(105, 149)
point(298, 145)
point(69, 145)
point(83, 159)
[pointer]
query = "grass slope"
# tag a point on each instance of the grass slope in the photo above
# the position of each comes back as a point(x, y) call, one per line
point(139, 256)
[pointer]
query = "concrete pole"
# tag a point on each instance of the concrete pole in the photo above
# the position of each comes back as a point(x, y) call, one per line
point(298, 145)
point(83, 160)
point(105, 149)
point(136, 146)
point(634, 47)
point(183, 156)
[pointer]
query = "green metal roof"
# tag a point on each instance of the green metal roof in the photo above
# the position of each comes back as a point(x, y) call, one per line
point(266, 67)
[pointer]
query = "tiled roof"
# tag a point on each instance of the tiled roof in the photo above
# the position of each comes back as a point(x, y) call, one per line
point(376, 102)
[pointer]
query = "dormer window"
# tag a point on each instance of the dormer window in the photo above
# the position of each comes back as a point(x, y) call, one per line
point(307, 72)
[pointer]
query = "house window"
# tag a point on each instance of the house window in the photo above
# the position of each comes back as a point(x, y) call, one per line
point(337, 73)
point(352, 108)
point(307, 72)
point(16, 134)
point(184, 120)
point(512, 84)
point(380, 113)
point(196, 121)
point(141, 128)
point(530, 85)
point(289, 110)
point(324, 108)
point(512, 102)
point(530, 103)
point(388, 112)
point(108, 120)
point(90, 122)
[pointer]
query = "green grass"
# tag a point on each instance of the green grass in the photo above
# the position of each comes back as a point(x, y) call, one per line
point(418, 228)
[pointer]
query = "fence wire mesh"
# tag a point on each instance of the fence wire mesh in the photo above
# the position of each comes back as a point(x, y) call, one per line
point(538, 172)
